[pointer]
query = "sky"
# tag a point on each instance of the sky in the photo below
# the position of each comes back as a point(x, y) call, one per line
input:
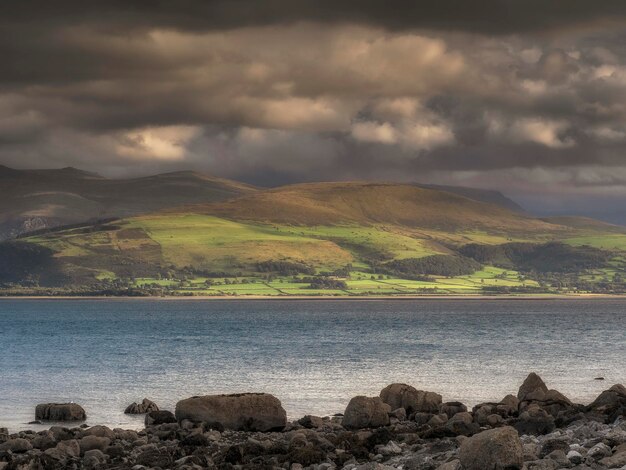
point(524, 96)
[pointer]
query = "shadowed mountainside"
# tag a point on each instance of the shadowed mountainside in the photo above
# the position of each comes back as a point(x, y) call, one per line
point(38, 199)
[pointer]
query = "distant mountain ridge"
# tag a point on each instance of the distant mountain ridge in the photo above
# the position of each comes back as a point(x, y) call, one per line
point(483, 195)
point(38, 199)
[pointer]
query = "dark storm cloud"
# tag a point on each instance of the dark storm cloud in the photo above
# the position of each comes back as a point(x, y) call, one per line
point(485, 16)
point(527, 96)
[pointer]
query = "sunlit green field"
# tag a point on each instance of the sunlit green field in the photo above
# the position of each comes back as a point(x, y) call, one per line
point(605, 242)
point(359, 283)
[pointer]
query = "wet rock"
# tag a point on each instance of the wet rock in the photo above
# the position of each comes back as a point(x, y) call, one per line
point(246, 411)
point(412, 400)
point(366, 412)
point(60, 412)
point(145, 406)
point(495, 449)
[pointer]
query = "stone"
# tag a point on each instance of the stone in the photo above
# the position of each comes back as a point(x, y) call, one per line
point(412, 400)
point(599, 451)
point(93, 458)
point(366, 412)
point(145, 406)
point(391, 448)
point(311, 422)
point(574, 457)
point(452, 465)
point(615, 461)
point(242, 412)
point(60, 412)
point(399, 414)
point(462, 424)
point(100, 431)
point(533, 388)
point(535, 391)
point(17, 445)
point(495, 449)
point(154, 418)
point(93, 442)
point(452, 407)
point(535, 420)
point(611, 403)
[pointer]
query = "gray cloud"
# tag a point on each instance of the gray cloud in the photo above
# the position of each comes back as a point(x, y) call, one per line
point(529, 97)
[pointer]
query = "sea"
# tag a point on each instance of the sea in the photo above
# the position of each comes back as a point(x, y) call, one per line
point(314, 355)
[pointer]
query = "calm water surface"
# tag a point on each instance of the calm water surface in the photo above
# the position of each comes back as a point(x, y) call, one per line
point(313, 355)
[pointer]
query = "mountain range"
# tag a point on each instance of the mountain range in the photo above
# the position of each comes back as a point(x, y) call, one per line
point(189, 233)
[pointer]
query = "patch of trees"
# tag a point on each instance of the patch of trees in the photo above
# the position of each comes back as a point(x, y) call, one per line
point(284, 268)
point(322, 282)
point(435, 265)
point(28, 264)
point(553, 257)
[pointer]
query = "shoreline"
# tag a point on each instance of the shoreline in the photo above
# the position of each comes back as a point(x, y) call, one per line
point(477, 297)
point(402, 428)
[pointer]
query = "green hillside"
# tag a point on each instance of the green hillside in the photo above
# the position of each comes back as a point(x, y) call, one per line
point(324, 238)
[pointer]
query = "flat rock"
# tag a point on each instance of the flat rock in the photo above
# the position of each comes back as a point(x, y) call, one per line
point(60, 412)
point(242, 412)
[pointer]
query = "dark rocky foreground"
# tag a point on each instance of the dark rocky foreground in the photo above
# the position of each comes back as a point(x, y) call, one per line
point(403, 428)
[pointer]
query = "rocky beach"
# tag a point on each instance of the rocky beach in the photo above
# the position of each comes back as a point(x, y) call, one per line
point(403, 428)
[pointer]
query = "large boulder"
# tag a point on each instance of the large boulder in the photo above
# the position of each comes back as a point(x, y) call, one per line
point(611, 403)
point(146, 406)
point(60, 412)
point(495, 449)
point(411, 399)
point(366, 412)
point(242, 412)
point(535, 391)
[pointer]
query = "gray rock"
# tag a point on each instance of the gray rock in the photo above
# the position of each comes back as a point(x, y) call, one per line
point(535, 420)
point(574, 457)
point(599, 451)
point(366, 412)
point(17, 445)
point(93, 442)
point(60, 412)
point(495, 449)
point(462, 424)
point(140, 408)
point(412, 400)
point(610, 403)
point(615, 461)
point(93, 458)
point(311, 422)
point(246, 411)
point(452, 465)
point(154, 418)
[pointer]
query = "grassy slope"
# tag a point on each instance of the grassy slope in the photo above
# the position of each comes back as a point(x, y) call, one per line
point(324, 225)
